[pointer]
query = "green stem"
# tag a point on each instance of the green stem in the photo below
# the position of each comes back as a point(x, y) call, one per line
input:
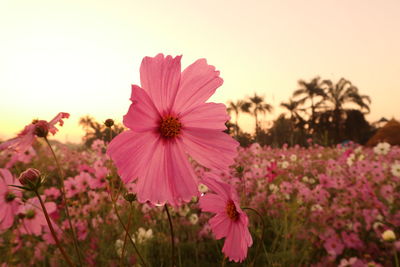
point(262, 233)
point(126, 233)
point(172, 236)
point(396, 259)
point(61, 182)
point(52, 231)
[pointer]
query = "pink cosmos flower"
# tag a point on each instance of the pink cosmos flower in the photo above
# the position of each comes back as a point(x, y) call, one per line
point(34, 219)
point(9, 199)
point(38, 128)
point(21, 156)
point(169, 120)
point(230, 221)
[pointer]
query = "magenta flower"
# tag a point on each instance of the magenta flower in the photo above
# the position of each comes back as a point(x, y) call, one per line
point(38, 128)
point(230, 221)
point(9, 199)
point(34, 220)
point(169, 120)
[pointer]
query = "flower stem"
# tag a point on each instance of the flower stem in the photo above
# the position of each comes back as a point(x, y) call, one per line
point(52, 231)
point(172, 236)
point(262, 233)
point(61, 182)
point(396, 259)
point(126, 233)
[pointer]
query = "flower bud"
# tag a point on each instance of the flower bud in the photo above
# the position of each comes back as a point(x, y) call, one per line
point(109, 123)
point(389, 236)
point(41, 128)
point(29, 176)
point(130, 197)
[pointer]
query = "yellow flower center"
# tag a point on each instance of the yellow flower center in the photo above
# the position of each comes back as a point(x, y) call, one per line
point(170, 127)
point(231, 211)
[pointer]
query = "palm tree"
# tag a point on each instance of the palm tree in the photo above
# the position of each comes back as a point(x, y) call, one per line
point(341, 93)
point(258, 105)
point(237, 107)
point(293, 108)
point(310, 91)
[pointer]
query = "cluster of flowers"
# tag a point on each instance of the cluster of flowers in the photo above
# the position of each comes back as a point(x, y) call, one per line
point(345, 198)
point(168, 120)
point(344, 201)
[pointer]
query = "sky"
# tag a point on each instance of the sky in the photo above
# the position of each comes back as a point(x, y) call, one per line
point(82, 56)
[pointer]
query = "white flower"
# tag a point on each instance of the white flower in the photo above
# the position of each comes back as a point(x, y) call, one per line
point(389, 236)
point(293, 157)
point(143, 235)
point(311, 181)
point(284, 164)
point(348, 263)
point(273, 188)
point(350, 161)
point(193, 218)
point(382, 148)
point(118, 246)
point(316, 207)
point(305, 179)
point(183, 210)
point(395, 169)
point(202, 188)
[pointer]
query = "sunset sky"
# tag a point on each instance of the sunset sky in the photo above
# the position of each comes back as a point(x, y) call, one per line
point(82, 56)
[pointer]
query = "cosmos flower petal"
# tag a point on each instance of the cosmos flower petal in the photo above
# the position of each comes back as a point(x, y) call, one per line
point(22, 142)
point(6, 176)
point(222, 189)
point(131, 151)
point(142, 114)
point(57, 119)
point(212, 149)
point(221, 225)
point(8, 219)
point(170, 172)
point(160, 77)
point(183, 180)
point(206, 115)
point(198, 83)
point(9, 143)
point(235, 246)
point(153, 185)
point(212, 203)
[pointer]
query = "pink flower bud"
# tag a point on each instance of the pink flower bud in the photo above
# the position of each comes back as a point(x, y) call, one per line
point(29, 176)
point(41, 128)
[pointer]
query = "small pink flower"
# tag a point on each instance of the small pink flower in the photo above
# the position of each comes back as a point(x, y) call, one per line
point(34, 219)
point(10, 199)
point(230, 221)
point(38, 128)
point(169, 120)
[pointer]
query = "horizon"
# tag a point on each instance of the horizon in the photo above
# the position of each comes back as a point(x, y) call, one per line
point(81, 58)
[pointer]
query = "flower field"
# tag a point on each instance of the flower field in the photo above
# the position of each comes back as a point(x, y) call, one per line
point(172, 188)
point(319, 206)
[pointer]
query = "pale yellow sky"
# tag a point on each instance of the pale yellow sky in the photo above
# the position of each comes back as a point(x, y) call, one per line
point(81, 56)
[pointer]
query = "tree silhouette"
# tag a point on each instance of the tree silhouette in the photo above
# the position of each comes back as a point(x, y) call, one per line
point(257, 106)
point(237, 107)
point(339, 94)
point(310, 91)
